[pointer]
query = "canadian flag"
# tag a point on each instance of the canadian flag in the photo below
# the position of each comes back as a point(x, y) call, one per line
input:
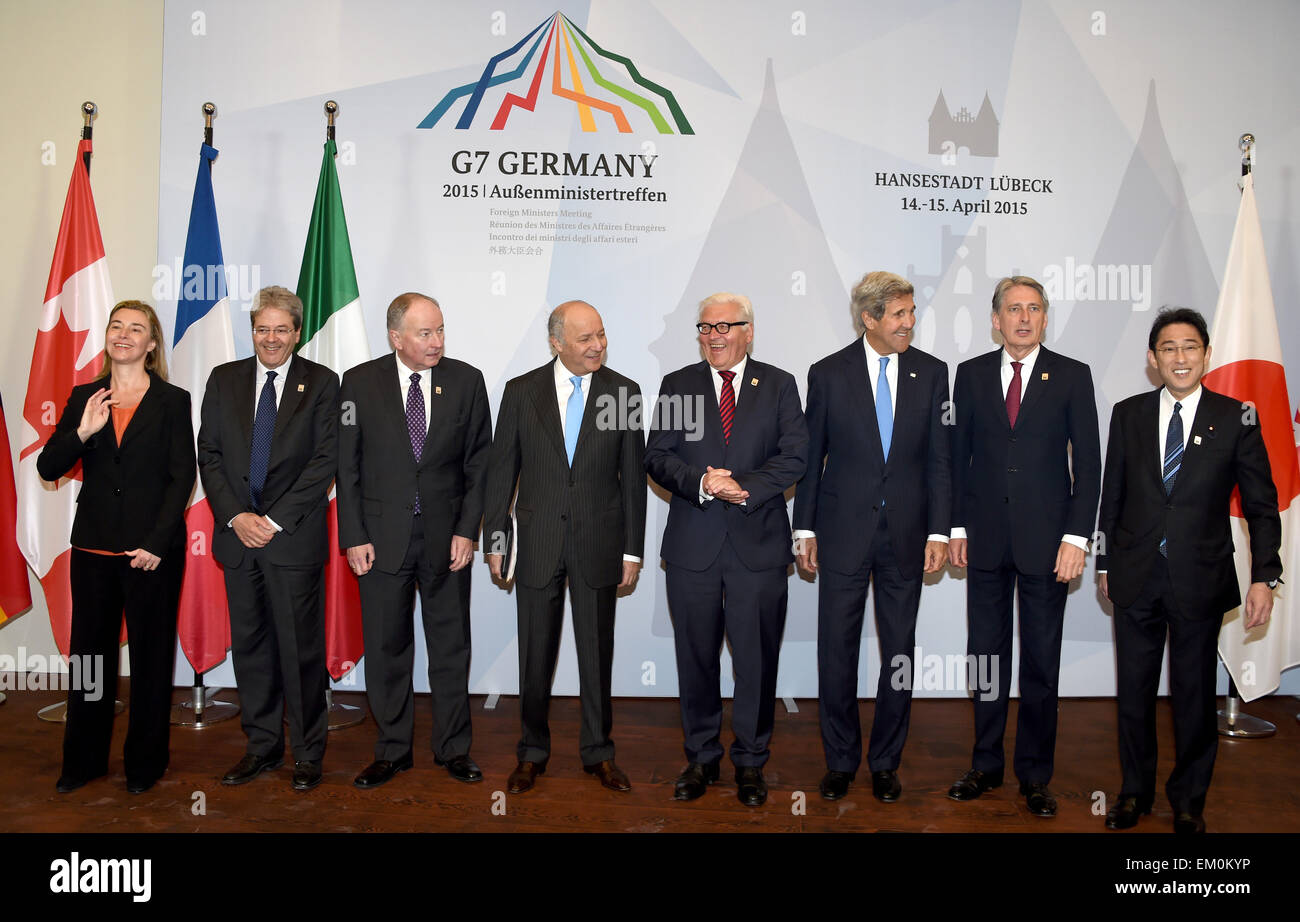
point(1248, 367)
point(69, 346)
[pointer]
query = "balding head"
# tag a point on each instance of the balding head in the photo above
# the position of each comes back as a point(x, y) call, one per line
point(577, 336)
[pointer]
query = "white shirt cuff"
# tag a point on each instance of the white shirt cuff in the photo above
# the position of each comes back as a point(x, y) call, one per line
point(958, 533)
point(1079, 542)
point(942, 538)
point(628, 558)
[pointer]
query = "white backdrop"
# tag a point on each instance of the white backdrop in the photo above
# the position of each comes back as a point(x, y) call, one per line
point(1107, 140)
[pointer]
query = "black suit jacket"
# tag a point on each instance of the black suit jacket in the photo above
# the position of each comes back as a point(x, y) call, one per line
point(602, 497)
point(840, 501)
point(378, 475)
point(304, 455)
point(133, 494)
point(1020, 479)
point(1222, 453)
point(767, 454)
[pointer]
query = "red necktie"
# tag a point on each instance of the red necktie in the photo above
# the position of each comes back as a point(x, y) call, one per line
point(727, 404)
point(1013, 395)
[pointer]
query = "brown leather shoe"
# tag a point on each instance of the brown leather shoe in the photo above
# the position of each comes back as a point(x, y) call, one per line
point(524, 776)
point(610, 775)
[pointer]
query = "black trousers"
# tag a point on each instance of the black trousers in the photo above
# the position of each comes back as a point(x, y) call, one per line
point(1140, 631)
point(541, 618)
point(277, 635)
point(749, 607)
point(387, 626)
point(103, 588)
point(841, 602)
point(990, 622)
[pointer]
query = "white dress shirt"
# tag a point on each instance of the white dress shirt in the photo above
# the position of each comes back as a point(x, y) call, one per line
point(426, 388)
point(1026, 369)
point(277, 383)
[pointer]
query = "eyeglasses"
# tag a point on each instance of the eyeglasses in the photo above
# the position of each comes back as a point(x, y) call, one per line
point(1191, 351)
point(266, 331)
point(723, 327)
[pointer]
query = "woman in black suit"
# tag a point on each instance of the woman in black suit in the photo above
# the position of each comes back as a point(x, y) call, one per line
point(133, 435)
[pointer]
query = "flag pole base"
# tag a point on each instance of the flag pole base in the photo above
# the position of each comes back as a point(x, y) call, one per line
point(1234, 724)
point(58, 713)
point(342, 716)
point(2, 697)
point(201, 711)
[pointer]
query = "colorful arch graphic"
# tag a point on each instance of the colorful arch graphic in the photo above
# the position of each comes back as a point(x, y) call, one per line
point(614, 85)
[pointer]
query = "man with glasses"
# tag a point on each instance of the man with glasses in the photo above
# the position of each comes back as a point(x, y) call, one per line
point(727, 543)
point(1174, 456)
point(267, 451)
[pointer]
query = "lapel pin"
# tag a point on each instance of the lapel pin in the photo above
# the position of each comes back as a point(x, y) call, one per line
point(301, 388)
point(438, 390)
point(753, 382)
point(911, 374)
point(1196, 440)
point(1044, 376)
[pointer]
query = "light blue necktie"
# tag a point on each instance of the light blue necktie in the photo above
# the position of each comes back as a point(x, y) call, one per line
point(884, 409)
point(573, 419)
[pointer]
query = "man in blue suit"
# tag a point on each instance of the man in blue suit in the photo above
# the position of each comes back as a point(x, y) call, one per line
point(727, 543)
point(1026, 475)
point(876, 513)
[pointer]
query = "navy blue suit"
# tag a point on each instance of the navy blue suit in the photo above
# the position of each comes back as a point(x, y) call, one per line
point(727, 563)
point(871, 516)
point(1014, 494)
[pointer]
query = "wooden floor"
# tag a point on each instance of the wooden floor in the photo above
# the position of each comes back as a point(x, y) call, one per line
point(1256, 782)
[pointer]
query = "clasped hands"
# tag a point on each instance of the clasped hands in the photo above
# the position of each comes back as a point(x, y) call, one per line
point(719, 484)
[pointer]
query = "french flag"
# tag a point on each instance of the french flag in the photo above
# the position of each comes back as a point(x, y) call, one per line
point(202, 341)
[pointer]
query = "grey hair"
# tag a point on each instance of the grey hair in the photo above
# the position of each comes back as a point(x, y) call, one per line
point(401, 304)
point(726, 297)
point(277, 296)
point(1006, 284)
point(873, 292)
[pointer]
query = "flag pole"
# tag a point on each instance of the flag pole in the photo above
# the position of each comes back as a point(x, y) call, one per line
point(58, 713)
point(1232, 722)
point(202, 711)
point(340, 716)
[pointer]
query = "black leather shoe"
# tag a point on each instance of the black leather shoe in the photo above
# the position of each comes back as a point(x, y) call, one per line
point(462, 768)
point(974, 783)
point(524, 776)
point(1188, 823)
point(250, 766)
point(885, 786)
point(751, 789)
point(835, 784)
point(381, 771)
point(306, 775)
point(695, 780)
point(138, 785)
point(1124, 815)
point(1038, 798)
point(66, 785)
point(610, 775)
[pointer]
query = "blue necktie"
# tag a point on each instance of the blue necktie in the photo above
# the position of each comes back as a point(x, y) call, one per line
point(1173, 461)
point(884, 408)
point(260, 453)
point(573, 419)
point(416, 427)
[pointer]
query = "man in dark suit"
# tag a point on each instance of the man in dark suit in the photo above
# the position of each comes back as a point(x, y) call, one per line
point(580, 517)
point(1026, 474)
point(727, 543)
point(268, 448)
point(877, 513)
point(1173, 459)
point(414, 438)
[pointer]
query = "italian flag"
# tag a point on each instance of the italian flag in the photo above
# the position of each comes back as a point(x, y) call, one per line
point(1248, 367)
point(69, 344)
point(333, 334)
